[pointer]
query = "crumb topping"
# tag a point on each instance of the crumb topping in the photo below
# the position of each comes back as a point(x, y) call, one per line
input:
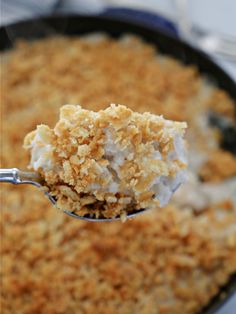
point(111, 162)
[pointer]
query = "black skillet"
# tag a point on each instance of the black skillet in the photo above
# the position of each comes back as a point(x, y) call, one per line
point(77, 25)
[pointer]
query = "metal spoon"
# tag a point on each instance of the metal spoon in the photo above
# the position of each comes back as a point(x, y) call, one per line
point(16, 176)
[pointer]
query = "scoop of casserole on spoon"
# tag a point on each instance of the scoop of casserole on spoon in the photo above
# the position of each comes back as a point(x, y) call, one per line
point(107, 165)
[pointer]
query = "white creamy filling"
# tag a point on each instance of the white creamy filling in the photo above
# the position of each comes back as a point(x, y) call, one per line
point(163, 193)
point(163, 187)
point(41, 154)
point(180, 149)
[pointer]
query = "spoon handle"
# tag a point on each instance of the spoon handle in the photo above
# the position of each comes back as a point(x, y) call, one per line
point(16, 176)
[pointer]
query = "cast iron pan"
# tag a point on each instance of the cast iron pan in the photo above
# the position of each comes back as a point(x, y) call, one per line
point(78, 25)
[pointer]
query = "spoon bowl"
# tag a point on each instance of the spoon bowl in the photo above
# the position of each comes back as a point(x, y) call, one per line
point(130, 215)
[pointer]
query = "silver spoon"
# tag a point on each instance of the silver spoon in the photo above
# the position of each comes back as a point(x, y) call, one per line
point(16, 176)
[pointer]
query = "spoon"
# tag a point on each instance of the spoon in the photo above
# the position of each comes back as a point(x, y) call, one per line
point(16, 176)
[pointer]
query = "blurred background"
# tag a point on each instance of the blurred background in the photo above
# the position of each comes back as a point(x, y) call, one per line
point(209, 25)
